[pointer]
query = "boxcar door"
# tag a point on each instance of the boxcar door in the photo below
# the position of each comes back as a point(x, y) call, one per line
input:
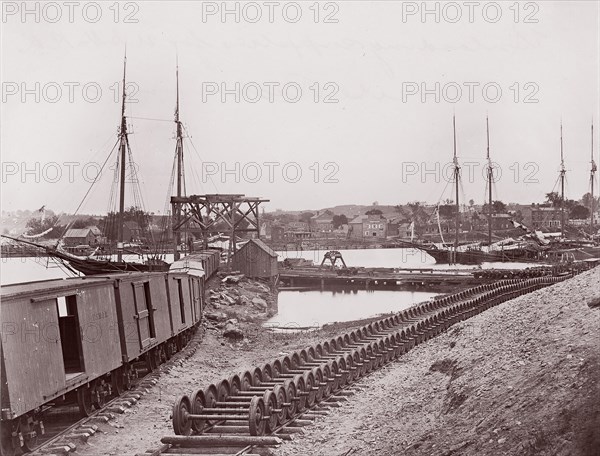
point(195, 299)
point(143, 309)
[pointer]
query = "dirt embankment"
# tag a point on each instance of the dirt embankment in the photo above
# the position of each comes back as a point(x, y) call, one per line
point(519, 379)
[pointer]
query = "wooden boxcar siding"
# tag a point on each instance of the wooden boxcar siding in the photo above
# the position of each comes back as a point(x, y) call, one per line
point(135, 330)
point(178, 325)
point(99, 324)
point(34, 347)
point(210, 261)
point(254, 262)
point(197, 287)
point(31, 347)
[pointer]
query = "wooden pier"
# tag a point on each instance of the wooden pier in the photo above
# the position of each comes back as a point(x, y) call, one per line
point(313, 278)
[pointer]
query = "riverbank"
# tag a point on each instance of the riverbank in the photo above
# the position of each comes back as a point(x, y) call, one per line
point(518, 379)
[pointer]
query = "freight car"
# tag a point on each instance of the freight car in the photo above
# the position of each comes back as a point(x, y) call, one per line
point(84, 339)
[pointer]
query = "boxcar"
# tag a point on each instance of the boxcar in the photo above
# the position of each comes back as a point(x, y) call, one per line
point(58, 336)
point(208, 259)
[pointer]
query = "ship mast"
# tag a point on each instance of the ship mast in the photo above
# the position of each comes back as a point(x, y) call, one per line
point(489, 176)
point(179, 155)
point(123, 151)
point(592, 178)
point(456, 181)
point(562, 186)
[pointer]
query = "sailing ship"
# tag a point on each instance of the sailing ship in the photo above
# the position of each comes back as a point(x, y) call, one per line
point(563, 248)
point(153, 261)
point(475, 253)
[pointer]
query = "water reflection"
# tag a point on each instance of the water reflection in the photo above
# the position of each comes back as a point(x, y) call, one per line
point(305, 309)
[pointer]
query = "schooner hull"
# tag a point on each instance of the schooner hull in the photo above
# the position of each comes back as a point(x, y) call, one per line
point(89, 266)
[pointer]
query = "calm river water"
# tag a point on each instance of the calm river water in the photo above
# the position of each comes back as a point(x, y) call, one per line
point(302, 309)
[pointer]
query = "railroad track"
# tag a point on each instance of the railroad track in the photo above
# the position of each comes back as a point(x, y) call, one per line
point(267, 405)
point(63, 438)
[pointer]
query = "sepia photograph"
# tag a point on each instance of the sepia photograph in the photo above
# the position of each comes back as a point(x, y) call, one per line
point(312, 227)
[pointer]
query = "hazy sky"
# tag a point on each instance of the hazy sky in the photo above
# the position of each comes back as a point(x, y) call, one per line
point(360, 118)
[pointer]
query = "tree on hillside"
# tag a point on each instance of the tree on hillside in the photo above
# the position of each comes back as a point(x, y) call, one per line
point(84, 222)
point(37, 225)
point(556, 201)
point(374, 212)
point(579, 212)
point(498, 207)
point(417, 212)
point(553, 198)
point(586, 200)
point(305, 217)
point(447, 210)
point(339, 220)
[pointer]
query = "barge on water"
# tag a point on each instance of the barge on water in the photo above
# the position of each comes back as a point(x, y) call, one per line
point(414, 278)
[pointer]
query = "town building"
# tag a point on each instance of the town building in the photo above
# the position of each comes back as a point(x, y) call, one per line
point(368, 227)
point(83, 236)
point(297, 226)
point(322, 222)
point(297, 235)
point(537, 217)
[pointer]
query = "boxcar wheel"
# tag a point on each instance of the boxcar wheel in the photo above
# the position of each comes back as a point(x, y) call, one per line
point(117, 381)
point(150, 361)
point(99, 394)
point(170, 350)
point(84, 400)
point(157, 356)
point(31, 441)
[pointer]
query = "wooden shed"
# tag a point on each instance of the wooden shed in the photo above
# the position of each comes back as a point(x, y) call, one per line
point(255, 259)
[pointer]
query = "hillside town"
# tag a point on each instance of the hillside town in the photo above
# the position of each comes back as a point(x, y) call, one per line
point(347, 225)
